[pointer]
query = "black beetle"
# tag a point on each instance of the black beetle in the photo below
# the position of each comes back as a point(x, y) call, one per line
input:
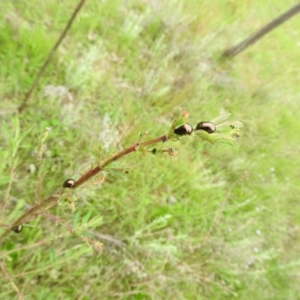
point(18, 229)
point(206, 126)
point(69, 183)
point(184, 129)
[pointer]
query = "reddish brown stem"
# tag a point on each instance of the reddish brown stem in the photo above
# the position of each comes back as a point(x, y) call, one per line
point(46, 204)
point(115, 157)
point(54, 199)
point(88, 175)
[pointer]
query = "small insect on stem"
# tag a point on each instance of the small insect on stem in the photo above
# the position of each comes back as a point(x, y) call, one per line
point(17, 229)
point(206, 126)
point(154, 150)
point(185, 129)
point(69, 183)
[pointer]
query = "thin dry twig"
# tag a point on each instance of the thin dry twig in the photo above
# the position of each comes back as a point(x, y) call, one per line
point(217, 219)
point(3, 267)
point(7, 192)
point(233, 51)
point(50, 56)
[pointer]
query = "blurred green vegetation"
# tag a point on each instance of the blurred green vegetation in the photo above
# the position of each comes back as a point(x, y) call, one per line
point(214, 222)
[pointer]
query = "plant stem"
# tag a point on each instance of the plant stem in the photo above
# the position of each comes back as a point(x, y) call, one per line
point(233, 51)
point(10, 279)
point(54, 199)
point(117, 156)
point(7, 192)
point(50, 56)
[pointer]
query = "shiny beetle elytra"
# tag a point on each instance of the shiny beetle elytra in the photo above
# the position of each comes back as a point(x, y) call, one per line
point(17, 229)
point(69, 183)
point(206, 126)
point(184, 129)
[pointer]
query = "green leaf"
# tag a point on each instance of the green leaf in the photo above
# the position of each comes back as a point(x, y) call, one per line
point(4, 180)
point(220, 119)
point(86, 217)
point(222, 138)
point(205, 136)
point(117, 172)
point(77, 218)
point(6, 129)
point(44, 136)
point(94, 222)
point(24, 134)
point(52, 255)
point(236, 125)
point(16, 125)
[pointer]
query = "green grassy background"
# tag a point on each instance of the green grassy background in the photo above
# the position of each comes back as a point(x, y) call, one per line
point(211, 223)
